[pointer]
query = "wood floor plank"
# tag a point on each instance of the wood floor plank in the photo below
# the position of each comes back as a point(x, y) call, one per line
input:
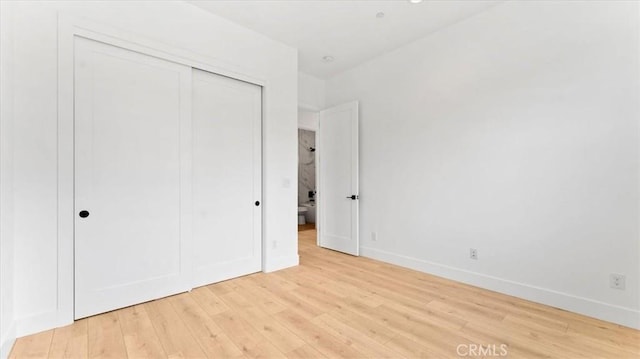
point(326, 302)
point(278, 282)
point(70, 341)
point(105, 338)
point(359, 340)
point(242, 305)
point(213, 341)
point(208, 301)
point(284, 339)
point(222, 287)
point(305, 352)
point(320, 339)
point(365, 324)
point(411, 349)
point(261, 298)
point(296, 303)
point(616, 335)
point(535, 325)
point(246, 337)
point(176, 339)
point(140, 339)
point(33, 346)
point(264, 323)
point(466, 311)
point(331, 306)
point(423, 314)
point(518, 345)
point(438, 339)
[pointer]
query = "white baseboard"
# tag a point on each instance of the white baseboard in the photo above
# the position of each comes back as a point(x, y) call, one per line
point(275, 264)
point(6, 343)
point(39, 323)
point(611, 313)
point(45, 321)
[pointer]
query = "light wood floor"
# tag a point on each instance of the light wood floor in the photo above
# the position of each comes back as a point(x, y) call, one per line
point(334, 305)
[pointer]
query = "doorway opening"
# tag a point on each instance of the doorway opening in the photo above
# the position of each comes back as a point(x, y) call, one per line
point(307, 205)
point(308, 155)
point(330, 198)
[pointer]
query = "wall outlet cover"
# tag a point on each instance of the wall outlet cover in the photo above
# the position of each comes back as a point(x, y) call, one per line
point(617, 281)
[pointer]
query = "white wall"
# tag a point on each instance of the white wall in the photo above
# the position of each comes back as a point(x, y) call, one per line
point(7, 323)
point(515, 132)
point(311, 92)
point(176, 24)
point(308, 120)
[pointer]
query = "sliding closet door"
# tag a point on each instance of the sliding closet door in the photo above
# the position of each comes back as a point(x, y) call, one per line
point(132, 178)
point(227, 177)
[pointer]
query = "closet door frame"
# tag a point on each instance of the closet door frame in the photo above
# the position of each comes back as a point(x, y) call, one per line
point(70, 28)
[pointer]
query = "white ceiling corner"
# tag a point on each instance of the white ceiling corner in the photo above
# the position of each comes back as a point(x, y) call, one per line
point(347, 30)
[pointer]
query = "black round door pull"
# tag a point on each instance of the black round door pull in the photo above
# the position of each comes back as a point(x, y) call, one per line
point(257, 203)
point(84, 214)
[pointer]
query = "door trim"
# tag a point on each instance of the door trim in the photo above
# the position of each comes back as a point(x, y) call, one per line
point(70, 27)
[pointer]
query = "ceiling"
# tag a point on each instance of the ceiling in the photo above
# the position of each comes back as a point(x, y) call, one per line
point(349, 31)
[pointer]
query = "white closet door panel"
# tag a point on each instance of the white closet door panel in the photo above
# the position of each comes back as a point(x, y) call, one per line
point(131, 112)
point(227, 177)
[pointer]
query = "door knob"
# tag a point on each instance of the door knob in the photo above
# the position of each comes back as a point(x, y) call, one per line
point(257, 203)
point(353, 197)
point(83, 214)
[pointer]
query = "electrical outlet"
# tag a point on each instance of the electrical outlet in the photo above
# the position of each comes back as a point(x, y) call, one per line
point(374, 236)
point(473, 253)
point(617, 281)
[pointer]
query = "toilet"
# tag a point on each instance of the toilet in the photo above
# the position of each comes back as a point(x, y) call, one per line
point(310, 215)
point(301, 211)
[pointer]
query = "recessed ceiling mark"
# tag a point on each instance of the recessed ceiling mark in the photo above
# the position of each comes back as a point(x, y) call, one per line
point(328, 58)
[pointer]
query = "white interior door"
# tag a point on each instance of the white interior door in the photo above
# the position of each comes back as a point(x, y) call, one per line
point(227, 172)
point(338, 178)
point(132, 178)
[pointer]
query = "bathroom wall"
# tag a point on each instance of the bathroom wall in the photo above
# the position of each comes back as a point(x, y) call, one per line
point(306, 165)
